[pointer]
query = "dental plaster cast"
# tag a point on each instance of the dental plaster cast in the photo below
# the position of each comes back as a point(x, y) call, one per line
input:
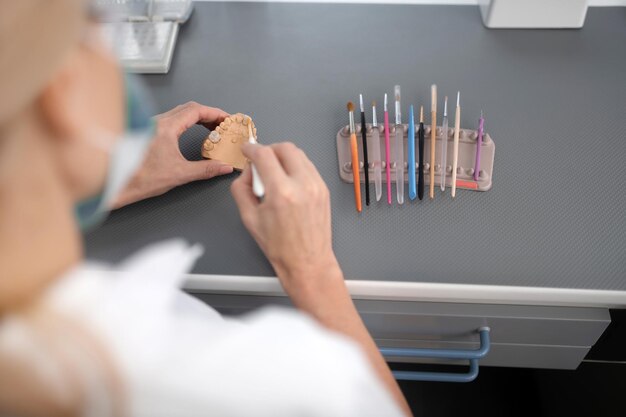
point(224, 143)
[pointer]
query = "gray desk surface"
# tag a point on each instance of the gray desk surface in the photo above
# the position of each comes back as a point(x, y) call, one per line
point(554, 101)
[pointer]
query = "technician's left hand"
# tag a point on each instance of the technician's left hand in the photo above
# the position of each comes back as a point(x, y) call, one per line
point(164, 166)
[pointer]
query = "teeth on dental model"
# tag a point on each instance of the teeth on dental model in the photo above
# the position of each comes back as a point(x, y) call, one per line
point(224, 143)
point(214, 137)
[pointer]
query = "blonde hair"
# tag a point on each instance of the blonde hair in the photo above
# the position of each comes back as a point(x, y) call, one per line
point(35, 38)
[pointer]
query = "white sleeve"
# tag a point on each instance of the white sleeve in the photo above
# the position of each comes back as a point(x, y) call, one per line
point(276, 363)
point(179, 357)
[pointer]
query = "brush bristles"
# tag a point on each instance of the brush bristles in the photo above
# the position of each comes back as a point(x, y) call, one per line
point(374, 103)
point(350, 106)
point(421, 114)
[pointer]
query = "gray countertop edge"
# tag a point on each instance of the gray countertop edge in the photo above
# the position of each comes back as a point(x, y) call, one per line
point(420, 291)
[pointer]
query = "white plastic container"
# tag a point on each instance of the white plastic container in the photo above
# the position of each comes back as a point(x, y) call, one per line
point(532, 14)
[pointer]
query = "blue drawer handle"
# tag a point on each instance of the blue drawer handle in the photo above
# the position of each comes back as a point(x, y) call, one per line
point(468, 354)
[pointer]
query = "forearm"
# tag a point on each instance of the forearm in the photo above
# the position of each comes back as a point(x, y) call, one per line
point(293, 228)
point(327, 299)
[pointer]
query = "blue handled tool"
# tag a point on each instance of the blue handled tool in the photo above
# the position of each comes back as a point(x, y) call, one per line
point(411, 151)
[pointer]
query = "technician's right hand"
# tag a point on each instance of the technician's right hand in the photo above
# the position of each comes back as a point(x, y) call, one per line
point(292, 224)
point(292, 227)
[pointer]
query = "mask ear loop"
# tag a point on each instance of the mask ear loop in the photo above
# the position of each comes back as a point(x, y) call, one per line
point(90, 212)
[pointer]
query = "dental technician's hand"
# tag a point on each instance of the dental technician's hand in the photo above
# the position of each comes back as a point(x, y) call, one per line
point(292, 226)
point(292, 223)
point(164, 166)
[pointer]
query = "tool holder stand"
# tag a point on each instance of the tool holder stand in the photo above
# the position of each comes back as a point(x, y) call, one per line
point(466, 157)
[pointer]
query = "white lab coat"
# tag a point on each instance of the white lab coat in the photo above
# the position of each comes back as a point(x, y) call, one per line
point(179, 357)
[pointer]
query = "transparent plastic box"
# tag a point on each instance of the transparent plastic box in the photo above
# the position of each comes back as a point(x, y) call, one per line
point(143, 33)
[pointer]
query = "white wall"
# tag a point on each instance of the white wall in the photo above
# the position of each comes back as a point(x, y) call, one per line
point(591, 2)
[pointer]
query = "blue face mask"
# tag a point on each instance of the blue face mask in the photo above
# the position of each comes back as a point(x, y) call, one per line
point(126, 156)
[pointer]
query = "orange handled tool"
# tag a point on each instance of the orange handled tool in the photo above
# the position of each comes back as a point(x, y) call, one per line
point(355, 171)
point(354, 150)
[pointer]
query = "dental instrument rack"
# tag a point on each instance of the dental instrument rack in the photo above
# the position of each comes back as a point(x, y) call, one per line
point(468, 139)
point(466, 157)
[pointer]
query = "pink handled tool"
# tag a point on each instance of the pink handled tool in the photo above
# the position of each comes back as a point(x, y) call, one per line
point(479, 142)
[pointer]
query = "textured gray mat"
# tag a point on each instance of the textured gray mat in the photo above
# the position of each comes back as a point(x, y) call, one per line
point(554, 102)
